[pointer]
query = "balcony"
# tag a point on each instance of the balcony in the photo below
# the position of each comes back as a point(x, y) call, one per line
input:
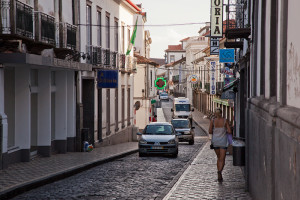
point(175, 78)
point(45, 28)
point(113, 59)
point(237, 23)
point(122, 61)
point(18, 23)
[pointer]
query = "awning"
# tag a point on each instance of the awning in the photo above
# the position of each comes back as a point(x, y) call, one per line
point(221, 101)
point(231, 84)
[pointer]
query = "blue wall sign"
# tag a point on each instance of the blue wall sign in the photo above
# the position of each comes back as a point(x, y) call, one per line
point(107, 78)
point(226, 56)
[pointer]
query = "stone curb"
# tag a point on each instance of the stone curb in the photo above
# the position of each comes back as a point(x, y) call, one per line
point(19, 189)
point(168, 188)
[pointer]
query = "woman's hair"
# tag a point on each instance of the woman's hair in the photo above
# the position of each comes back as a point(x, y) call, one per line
point(218, 110)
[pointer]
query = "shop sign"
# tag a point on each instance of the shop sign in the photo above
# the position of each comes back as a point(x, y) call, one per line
point(193, 78)
point(107, 78)
point(216, 20)
point(212, 77)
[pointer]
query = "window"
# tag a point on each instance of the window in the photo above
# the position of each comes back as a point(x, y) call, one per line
point(172, 58)
point(107, 32)
point(99, 29)
point(128, 107)
point(116, 39)
point(128, 36)
point(123, 38)
point(88, 23)
point(123, 107)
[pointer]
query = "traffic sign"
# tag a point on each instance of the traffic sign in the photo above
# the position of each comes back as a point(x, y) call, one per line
point(226, 56)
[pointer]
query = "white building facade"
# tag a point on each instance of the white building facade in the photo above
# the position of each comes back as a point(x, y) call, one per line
point(37, 76)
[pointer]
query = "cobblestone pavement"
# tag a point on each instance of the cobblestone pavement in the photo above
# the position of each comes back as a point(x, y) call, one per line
point(41, 170)
point(130, 177)
point(199, 181)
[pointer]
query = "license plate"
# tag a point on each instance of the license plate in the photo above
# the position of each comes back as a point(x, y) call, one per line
point(180, 136)
point(157, 147)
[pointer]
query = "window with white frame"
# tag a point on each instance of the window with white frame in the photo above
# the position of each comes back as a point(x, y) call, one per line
point(107, 30)
point(116, 38)
point(99, 29)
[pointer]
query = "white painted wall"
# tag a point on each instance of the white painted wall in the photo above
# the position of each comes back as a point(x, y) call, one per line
point(67, 11)
point(44, 108)
point(267, 49)
point(178, 55)
point(293, 52)
point(47, 6)
point(2, 114)
point(258, 77)
point(22, 100)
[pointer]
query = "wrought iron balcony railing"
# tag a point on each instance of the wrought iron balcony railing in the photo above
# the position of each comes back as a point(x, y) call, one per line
point(17, 21)
point(113, 56)
point(106, 57)
point(68, 35)
point(237, 20)
point(122, 61)
point(46, 28)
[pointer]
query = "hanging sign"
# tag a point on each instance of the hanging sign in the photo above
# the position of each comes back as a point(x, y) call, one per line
point(212, 77)
point(214, 46)
point(160, 83)
point(216, 18)
point(193, 78)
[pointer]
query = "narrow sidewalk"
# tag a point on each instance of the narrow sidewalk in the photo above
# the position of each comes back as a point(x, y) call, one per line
point(42, 170)
point(199, 181)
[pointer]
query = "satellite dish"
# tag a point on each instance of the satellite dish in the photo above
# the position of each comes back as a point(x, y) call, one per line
point(137, 105)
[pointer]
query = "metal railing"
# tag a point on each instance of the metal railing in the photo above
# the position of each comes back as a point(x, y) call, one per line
point(71, 35)
point(113, 57)
point(46, 27)
point(122, 61)
point(106, 57)
point(24, 20)
point(18, 22)
point(236, 15)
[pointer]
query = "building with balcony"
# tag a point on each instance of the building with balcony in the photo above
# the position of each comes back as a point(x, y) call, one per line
point(106, 112)
point(268, 95)
point(38, 67)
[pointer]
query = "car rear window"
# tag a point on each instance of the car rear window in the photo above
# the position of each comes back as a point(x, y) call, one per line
point(180, 123)
point(158, 130)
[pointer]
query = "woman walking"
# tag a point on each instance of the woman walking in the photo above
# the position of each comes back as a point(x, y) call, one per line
point(218, 127)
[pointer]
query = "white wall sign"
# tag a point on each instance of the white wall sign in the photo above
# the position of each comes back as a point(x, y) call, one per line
point(214, 46)
point(212, 77)
point(216, 20)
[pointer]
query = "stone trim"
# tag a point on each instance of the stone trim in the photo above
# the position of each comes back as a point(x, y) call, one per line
point(288, 114)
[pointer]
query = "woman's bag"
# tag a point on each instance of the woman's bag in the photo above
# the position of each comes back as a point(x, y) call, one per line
point(229, 138)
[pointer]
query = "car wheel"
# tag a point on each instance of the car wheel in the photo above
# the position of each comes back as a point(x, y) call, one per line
point(191, 142)
point(174, 155)
point(142, 154)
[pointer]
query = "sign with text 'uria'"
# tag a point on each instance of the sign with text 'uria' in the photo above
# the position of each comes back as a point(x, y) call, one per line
point(107, 78)
point(216, 18)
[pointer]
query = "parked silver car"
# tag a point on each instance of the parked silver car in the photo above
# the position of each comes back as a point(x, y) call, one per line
point(184, 130)
point(158, 138)
point(164, 96)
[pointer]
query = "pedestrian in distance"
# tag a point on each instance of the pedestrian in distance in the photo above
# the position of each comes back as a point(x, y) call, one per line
point(219, 128)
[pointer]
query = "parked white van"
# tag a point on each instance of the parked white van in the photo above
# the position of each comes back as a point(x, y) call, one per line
point(182, 108)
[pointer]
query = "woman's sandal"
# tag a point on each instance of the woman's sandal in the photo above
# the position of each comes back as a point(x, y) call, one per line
point(220, 178)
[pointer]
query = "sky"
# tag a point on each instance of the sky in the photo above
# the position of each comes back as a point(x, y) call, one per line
point(173, 12)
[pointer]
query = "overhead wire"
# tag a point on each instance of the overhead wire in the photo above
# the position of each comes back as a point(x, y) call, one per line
point(146, 25)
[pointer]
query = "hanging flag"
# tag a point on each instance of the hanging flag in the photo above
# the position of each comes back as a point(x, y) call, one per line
point(131, 43)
